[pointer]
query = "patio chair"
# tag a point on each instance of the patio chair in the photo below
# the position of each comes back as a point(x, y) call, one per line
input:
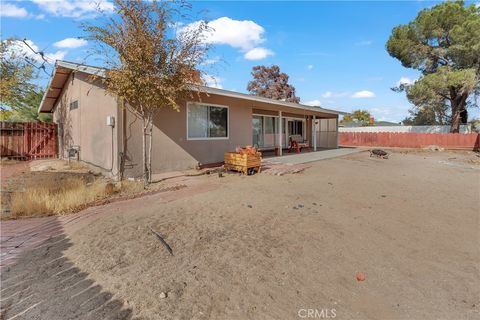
point(297, 143)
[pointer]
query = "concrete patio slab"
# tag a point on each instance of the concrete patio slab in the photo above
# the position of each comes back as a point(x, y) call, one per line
point(312, 156)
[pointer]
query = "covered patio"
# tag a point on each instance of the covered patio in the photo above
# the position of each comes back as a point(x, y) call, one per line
point(283, 132)
point(306, 157)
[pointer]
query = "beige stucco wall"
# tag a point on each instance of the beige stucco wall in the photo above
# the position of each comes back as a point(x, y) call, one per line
point(173, 151)
point(103, 147)
point(86, 126)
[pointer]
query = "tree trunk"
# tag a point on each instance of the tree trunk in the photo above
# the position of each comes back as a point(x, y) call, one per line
point(459, 103)
point(144, 149)
point(150, 136)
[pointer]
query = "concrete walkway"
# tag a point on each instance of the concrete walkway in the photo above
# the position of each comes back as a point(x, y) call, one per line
point(312, 156)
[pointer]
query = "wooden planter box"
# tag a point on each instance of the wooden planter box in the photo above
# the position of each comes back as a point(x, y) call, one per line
point(242, 162)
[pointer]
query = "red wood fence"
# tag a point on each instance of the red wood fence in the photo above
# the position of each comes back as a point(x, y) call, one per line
point(28, 140)
point(470, 141)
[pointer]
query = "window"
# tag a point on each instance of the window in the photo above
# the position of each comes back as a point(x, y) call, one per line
point(74, 105)
point(295, 127)
point(205, 121)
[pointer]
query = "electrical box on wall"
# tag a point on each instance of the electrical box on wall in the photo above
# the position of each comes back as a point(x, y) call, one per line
point(111, 121)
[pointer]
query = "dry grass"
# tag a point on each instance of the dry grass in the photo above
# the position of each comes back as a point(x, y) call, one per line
point(6, 162)
point(56, 193)
point(132, 187)
point(76, 165)
point(53, 197)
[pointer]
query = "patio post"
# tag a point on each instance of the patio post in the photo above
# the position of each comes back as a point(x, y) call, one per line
point(337, 131)
point(314, 133)
point(280, 144)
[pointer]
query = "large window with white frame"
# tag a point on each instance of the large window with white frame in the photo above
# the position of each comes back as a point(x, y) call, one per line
point(206, 121)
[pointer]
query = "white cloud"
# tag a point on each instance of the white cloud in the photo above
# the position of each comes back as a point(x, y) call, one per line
point(363, 94)
point(211, 61)
point(313, 103)
point(330, 94)
point(389, 113)
point(257, 54)
point(405, 81)
point(364, 43)
point(244, 35)
point(310, 67)
point(70, 43)
point(212, 81)
point(58, 55)
point(12, 11)
point(22, 49)
point(75, 8)
point(327, 94)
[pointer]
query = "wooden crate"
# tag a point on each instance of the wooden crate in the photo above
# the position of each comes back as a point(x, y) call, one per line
point(242, 162)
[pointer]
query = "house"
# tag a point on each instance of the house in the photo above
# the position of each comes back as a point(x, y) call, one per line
point(94, 127)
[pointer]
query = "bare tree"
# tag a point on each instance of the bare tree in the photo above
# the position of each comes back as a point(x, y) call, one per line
point(269, 82)
point(149, 65)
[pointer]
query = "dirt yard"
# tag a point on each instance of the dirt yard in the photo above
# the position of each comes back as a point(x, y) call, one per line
point(48, 187)
point(277, 247)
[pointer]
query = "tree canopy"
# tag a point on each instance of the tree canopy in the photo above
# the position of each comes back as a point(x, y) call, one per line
point(427, 116)
point(444, 44)
point(16, 74)
point(20, 97)
point(269, 82)
point(150, 65)
point(359, 116)
point(26, 108)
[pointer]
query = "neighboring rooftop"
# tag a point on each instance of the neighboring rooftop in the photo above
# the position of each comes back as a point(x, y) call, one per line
point(63, 69)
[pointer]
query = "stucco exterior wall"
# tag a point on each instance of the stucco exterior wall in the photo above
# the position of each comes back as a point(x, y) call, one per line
point(108, 148)
point(85, 126)
point(172, 150)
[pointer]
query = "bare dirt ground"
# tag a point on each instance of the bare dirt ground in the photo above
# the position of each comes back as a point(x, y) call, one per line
point(268, 247)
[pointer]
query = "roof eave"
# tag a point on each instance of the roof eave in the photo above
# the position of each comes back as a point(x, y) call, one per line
point(101, 72)
point(46, 92)
point(239, 95)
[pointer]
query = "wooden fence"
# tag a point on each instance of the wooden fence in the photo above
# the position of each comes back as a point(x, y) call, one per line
point(470, 141)
point(28, 140)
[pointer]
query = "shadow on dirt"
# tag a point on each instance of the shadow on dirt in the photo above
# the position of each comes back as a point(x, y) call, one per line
point(44, 284)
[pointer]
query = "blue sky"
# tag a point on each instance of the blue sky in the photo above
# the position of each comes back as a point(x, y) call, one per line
point(334, 52)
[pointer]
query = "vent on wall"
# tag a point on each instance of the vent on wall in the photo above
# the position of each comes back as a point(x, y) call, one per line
point(74, 105)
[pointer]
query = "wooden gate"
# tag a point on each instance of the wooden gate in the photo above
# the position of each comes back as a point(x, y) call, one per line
point(28, 140)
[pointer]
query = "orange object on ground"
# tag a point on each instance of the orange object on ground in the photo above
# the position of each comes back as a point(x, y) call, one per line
point(248, 150)
point(360, 276)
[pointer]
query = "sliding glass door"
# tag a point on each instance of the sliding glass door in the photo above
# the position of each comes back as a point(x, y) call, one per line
point(265, 131)
point(257, 126)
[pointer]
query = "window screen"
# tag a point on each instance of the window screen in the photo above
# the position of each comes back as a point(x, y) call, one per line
point(206, 121)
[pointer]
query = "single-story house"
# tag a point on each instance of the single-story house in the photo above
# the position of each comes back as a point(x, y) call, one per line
point(94, 127)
